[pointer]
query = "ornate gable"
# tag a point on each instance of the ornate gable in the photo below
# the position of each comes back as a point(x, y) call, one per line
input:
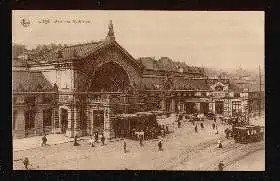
point(219, 87)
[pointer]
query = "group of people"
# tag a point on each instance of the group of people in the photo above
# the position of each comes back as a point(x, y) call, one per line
point(96, 136)
point(196, 129)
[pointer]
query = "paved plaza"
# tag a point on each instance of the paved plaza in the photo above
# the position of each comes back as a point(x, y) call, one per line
point(182, 150)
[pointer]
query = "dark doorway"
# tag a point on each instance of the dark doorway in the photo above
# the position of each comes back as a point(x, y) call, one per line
point(204, 107)
point(83, 119)
point(189, 107)
point(219, 107)
point(29, 121)
point(47, 120)
point(98, 121)
point(64, 119)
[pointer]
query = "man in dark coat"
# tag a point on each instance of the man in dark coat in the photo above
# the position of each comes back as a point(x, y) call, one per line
point(201, 125)
point(141, 140)
point(221, 166)
point(96, 137)
point(195, 128)
point(124, 146)
point(179, 123)
point(75, 141)
point(160, 145)
point(166, 130)
point(103, 139)
point(26, 163)
point(44, 140)
point(213, 125)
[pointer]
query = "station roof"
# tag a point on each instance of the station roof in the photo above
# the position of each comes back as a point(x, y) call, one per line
point(28, 81)
point(177, 83)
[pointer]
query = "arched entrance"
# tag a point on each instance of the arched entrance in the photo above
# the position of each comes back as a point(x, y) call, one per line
point(110, 77)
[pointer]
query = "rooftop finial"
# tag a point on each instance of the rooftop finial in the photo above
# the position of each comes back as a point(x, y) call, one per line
point(110, 35)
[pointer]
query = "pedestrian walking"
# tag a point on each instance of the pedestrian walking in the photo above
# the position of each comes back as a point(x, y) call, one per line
point(179, 123)
point(26, 163)
point(201, 125)
point(221, 166)
point(76, 141)
point(141, 140)
point(220, 143)
point(166, 130)
point(195, 128)
point(124, 146)
point(160, 145)
point(44, 140)
point(91, 142)
point(227, 132)
point(162, 131)
point(96, 137)
point(213, 125)
point(103, 139)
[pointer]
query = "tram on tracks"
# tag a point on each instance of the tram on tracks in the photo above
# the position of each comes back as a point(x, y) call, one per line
point(248, 134)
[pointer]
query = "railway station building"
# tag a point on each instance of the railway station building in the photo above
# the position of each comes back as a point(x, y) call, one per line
point(79, 89)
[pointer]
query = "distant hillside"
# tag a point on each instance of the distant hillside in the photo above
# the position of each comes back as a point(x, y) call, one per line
point(167, 64)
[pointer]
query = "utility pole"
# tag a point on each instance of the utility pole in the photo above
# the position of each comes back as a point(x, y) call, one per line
point(260, 91)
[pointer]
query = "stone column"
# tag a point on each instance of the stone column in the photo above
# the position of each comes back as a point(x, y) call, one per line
point(38, 121)
point(20, 124)
point(89, 120)
point(77, 122)
point(59, 121)
point(173, 105)
point(56, 119)
point(108, 127)
point(70, 123)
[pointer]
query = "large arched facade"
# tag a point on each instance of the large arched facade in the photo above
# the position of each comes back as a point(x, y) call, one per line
point(110, 77)
point(109, 58)
point(103, 81)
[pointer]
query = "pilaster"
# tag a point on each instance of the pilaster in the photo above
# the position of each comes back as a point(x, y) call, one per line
point(39, 121)
point(108, 126)
point(173, 105)
point(20, 124)
point(70, 123)
point(77, 122)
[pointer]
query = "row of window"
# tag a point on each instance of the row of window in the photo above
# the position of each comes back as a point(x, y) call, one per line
point(32, 100)
point(29, 118)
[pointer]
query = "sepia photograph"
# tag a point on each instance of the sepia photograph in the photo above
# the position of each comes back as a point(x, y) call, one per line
point(138, 90)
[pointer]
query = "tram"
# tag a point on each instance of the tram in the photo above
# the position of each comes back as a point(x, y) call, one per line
point(248, 134)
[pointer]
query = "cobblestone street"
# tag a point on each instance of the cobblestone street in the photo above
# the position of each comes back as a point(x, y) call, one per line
point(182, 150)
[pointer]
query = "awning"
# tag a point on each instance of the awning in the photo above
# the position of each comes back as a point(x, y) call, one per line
point(198, 100)
point(166, 121)
point(144, 113)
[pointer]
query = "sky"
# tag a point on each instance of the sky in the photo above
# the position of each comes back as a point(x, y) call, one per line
point(217, 39)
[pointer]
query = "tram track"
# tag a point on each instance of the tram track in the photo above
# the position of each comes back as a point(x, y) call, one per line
point(233, 152)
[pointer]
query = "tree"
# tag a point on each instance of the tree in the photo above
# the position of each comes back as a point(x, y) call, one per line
point(18, 49)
